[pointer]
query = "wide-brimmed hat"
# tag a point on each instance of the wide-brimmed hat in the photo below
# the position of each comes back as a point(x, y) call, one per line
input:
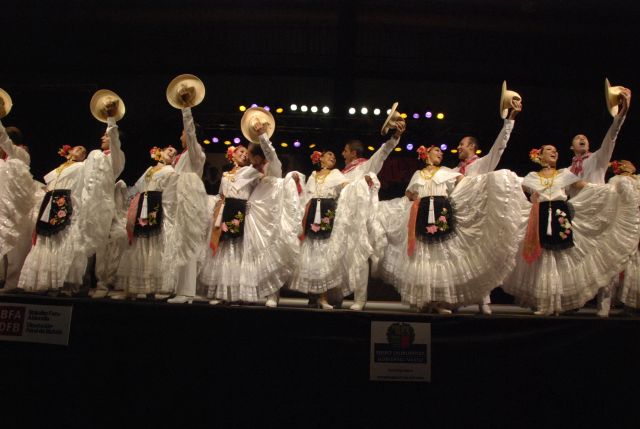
point(505, 100)
point(189, 82)
point(612, 97)
point(7, 104)
point(99, 101)
point(392, 119)
point(253, 115)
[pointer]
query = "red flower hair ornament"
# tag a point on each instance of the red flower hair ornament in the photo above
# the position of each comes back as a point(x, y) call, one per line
point(315, 157)
point(64, 151)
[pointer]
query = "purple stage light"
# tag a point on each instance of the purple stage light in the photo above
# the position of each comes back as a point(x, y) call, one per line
point(416, 116)
point(428, 115)
point(296, 143)
point(215, 139)
point(410, 146)
point(236, 140)
point(443, 147)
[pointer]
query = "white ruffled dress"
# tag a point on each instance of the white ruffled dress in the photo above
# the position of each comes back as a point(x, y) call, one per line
point(59, 258)
point(605, 229)
point(219, 273)
point(323, 263)
point(629, 281)
point(141, 269)
point(476, 256)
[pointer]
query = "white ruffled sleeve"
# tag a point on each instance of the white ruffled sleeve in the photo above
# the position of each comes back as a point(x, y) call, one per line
point(17, 198)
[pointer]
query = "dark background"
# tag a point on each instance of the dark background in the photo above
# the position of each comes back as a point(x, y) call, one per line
point(444, 56)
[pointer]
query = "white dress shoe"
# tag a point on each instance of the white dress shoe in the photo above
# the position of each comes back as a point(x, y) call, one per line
point(100, 293)
point(161, 296)
point(357, 306)
point(215, 302)
point(325, 305)
point(117, 294)
point(484, 309)
point(271, 303)
point(181, 299)
point(442, 310)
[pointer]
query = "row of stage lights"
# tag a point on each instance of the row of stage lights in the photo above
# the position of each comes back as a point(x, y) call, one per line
point(297, 144)
point(352, 111)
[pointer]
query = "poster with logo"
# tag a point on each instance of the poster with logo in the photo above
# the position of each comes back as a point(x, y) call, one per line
point(49, 324)
point(400, 351)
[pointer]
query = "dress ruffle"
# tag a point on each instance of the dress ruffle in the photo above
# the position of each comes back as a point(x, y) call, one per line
point(17, 199)
point(475, 259)
point(606, 233)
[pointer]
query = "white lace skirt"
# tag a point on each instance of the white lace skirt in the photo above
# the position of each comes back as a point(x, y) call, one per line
point(219, 274)
point(140, 270)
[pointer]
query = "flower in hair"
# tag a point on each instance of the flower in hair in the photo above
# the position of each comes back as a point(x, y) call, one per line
point(315, 157)
point(534, 155)
point(155, 153)
point(64, 151)
point(424, 151)
point(621, 167)
point(230, 152)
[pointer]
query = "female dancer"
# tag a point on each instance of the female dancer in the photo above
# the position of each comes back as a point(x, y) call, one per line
point(57, 256)
point(149, 221)
point(571, 248)
point(449, 240)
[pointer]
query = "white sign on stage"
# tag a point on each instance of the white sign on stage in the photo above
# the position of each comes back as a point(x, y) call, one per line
point(49, 324)
point(400, 351)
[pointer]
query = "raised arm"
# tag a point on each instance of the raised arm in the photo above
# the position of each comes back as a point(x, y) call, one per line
point(274, 166)
point(490, 161)
point(115, 147)
point(10, 148)
point(196, 154)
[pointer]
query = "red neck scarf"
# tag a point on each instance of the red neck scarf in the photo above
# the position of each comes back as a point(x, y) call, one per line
point(353, 164)
point(462, 167)
point(106, 151)
point(576, 163)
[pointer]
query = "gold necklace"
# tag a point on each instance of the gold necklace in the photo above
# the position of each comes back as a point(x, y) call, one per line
point(428, 176)
point(231, 174)
point(64, 165)
point(547, 182)
point(153, 170)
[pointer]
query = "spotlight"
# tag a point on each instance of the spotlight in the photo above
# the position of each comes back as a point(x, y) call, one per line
point(243, 108)
point(296, 143)
point(454, 150)
point(443, 147)
point(364, 110)
point(303, 108)
point(416, 116)
point(227, 142)
point(398, 149)
point(293, 107)
point(428, 115)
point(254, 105)
point(440, 116)
point(409, 146)
point(388, 111)
point(478, 152)
point(403, 115)
point(325, 109)
point(206, 141)
point(312, 145)
point(215, 140)
point(267, 108)
point(279, 110)
point(376, 111)
point(371, 148)
point(314, 109)
point(352, 110)
point(284, 144)
point(236, 140)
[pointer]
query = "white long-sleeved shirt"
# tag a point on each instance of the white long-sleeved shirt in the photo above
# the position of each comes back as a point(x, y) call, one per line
point(490, 161)
point(192, 159)
point(13, 151)
point(373, 164)
point(273, 167)
point(594, 168)
point(115, 148)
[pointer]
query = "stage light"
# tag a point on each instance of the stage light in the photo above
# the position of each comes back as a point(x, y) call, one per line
point(428, 115)
point(440, 116)
point(284, 144)
point(352, 110)
point(376, 111)
point(206, 141)
point(296, 143)
point(312, 145)
point(371, 148)
point(215, 140)
point(293, 107)
point(314, 109)
point(364, 110)
point(227, 142)
point(443, 147)
point(416, 116)
point(454, 150)
point(303, 108)
point(325, 109)
point(236, 140)
point(478, 152)
point(254, 105)
point(409, 146)
point(388, 111)
point(279, 110)
point(243, 108)
point(267, 108)
point(403, 115)
point(398, 149)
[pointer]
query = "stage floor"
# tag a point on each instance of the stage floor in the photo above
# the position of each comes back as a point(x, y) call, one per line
point(199, 365)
